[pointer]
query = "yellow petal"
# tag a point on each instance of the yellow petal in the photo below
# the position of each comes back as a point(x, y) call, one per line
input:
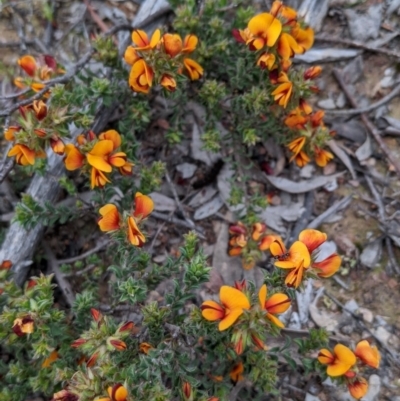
point(140, 38)
point(329, 266)
point(229, 319)
point(325, 356)
point(144, 205)
point(212, 310)
point(358, 388)
point(102, 148)
point(368, 354)
point(232, 298)
point(299, 252)
point(262, 296)
point(312, 238)
point(113, 136)
point(277, 303)
point(155, 38)
point(131, 55)
point(344, 354)
point(275, 320)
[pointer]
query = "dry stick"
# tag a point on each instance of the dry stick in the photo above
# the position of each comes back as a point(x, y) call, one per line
point(395, 92)
point(359, 320)
point(84, 255)
point(368, 123)
point(358, 45)
point(335, 207)
point(63, 284)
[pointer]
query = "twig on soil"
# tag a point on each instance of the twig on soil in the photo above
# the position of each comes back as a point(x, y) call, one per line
point(371, 128)
point(81, 272)
point(392, 256)
point(395, 92)
point(358, 45)
point(102, 244)
point(395, 358)
point(334, 208)
point(64, 285)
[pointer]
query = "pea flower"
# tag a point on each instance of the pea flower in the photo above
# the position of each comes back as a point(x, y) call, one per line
point(358, 387)
point(265, 29)
point(368, 354)
point(233, 303)
point(276, 304)
point(141, 77)
point(283, 92)
point(24, 325)
point(339, 362)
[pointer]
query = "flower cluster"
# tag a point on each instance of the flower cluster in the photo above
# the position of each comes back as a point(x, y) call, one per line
point(277, 37)
point(234, 301)
point(343, 362)
point(99, 155)
point(38, 70)
point(160, 59)
point(112, 221)
point(312, 135)
point(301, 258)
point(249, 243)
point(33, 132)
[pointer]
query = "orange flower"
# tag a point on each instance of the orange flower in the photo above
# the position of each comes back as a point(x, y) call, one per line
point(74, 158)
point(23, 155)
point(50, 359)
point(302, 159)
point(312, 72)
point(142, 42)
point(283, 92)
point(322, 157)
point(242, 35)
point(236, 373)
point(168, 82)
point(304, 37)
point(233, 303)
point(144, 205)
point(98, 178)
point(172, 44)
point(57, 145)
point(64, 395)
point(266, 30)
point(9, 135)
point(276, 304)
point(368, 355)
point(101, 159)
point(313, 239)
point(279, 10)
point(141, 77)
point(24, 325)
point(40, 109)
point(358, 387)
point(266, 242)
point(194, 69)
point(285, 259)
point(258, 231)
point(110, 220)
point(28, 64)
point(131, 55)
point(266, 60)
point(339, 362)
point(113, 136)
point(145, 347)
point(189, 43)
point(288, 47)
point(135, 236)
point(117, 392)
point(126, 169)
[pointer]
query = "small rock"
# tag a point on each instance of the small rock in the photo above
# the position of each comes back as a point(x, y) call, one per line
point(371, 254)
point(387, 82)
point(307, 171)
point(365, 26)
point(310, 397)
point(327, 104)
point(330, 168)
point(382, 334)
point(374, 388)
point(367, 315)
point(341, 101)
point(294, 322)
point(186, 169)
point(351, 306)
point(380, 321)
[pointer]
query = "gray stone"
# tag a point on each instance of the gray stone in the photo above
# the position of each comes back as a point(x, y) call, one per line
point(382, 335)
point(327, 104)
point(374, 388)
point(365, 26)
point(310, 397)
point(371, 254)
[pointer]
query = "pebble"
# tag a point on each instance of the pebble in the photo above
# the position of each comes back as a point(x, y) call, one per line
point(374, 388)
point(341, 101)
point(387, 82)
point(351, 306)
point(371, 254)
point(186, 169)
point(327, 104)
point(367, 315)
point(310, 397)
point(294, 321)
point(382, 334)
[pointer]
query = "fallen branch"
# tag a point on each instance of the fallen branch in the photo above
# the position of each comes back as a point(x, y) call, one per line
point(371, 128)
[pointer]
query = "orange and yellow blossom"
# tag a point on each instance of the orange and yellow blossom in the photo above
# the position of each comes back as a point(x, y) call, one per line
point(193, 68)
point(322, 157)
point(266, 60)
point(74, 158)
point(168, 82)
point(339, 362)
point(142, 41)
point(280, 10)
point(172, 44)
point(98, 178)
point(265, 30)
point(233, 303)
point(302, 159)
point(303, 37)
point(23, 154)
point(144, 205)
point(236, 373)
point(131, 55)
point(296, 146)
point(28, 64)
point(283, 92)
point(141, 77)
point(24, 325)
point(126, 169)
point(288, 47)
point(358, 387)
point(115, 393)
point(64, 395)
point(50, 359)
point(276, 304)
point(190, 43)
point(9, 135)
point(110, 218)
point(312, 72)
point(145, 348)
point(57, 145)
point(101, 158)
point(368, 354)
point(313, 239)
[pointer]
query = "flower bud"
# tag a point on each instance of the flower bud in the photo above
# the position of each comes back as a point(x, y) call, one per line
point(117, 344)
point(77, 343)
